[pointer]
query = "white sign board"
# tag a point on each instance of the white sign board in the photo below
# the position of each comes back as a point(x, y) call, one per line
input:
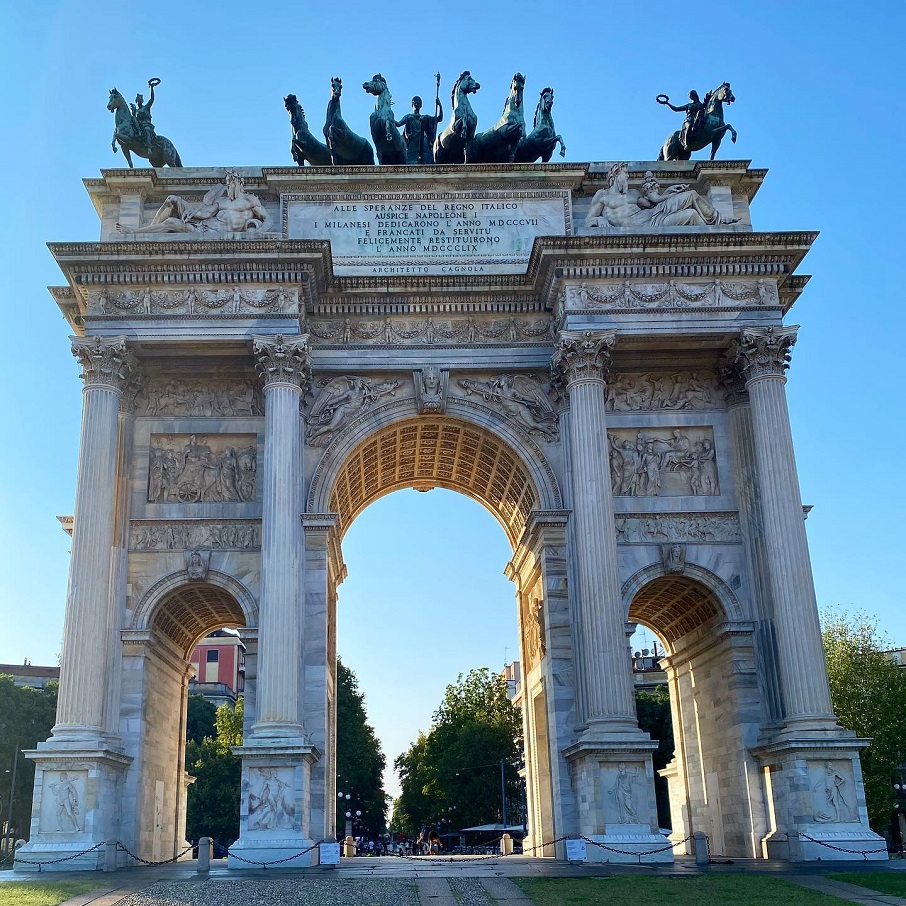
point(576, 850)
point(329, 853)
point(419, 233)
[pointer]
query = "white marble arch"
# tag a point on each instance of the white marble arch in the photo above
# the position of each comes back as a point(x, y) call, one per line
point(714, 780)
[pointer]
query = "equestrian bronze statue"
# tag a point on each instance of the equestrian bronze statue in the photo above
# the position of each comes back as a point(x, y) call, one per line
point(134, 132)
point(704, 124)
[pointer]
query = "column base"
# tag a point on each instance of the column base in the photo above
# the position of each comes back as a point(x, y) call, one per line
point(817, 799)
point(275, 805)
point(76, 808)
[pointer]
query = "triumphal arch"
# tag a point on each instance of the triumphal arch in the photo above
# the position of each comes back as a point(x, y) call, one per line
point(597, 353)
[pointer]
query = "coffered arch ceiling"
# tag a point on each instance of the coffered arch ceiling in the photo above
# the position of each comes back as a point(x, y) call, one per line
point(674, 605)
point(190, 612)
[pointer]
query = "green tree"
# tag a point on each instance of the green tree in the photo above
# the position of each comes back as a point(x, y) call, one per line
point(454, 772)
point(360, 761)
point(869, 696)
point(653, 712)
point(213, 807)
point(26, 718)
point(200, 715)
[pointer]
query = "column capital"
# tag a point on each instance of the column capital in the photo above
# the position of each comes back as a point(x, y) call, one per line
point(105, 361)
point(582, 355)
point(764, 351)
point(283, 360)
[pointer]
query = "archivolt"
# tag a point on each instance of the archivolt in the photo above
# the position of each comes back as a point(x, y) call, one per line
point(426, 452)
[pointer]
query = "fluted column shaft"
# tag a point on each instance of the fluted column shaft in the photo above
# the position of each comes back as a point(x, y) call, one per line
point(83, 679)
point(763, 356)
point(282, 363)
point(604, 683)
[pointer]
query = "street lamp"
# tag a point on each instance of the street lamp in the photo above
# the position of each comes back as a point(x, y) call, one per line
point(12, 789)
point(350, 813)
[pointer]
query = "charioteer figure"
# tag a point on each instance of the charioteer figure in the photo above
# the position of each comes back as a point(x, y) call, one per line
point(142, 113)
point(419, 129)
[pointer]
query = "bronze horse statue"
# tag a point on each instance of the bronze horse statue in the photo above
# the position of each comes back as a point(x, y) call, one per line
point(129, 136)
point(498, 145)
point(304, 146)
point(709, 127)
point(543, 138)
point(388, 141)
point(452, 145)
point(346, 148)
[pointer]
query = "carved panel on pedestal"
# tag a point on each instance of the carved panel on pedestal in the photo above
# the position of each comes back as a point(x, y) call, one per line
point(200, 397)
point(622, 784)
point(269, 799)
point(832, 791)
point(665, 390)
point(63, 802)
point(663, 462)
point(191, 468)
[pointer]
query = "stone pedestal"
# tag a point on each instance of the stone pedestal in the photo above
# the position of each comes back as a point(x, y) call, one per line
point(274, 808)
point(75, 808)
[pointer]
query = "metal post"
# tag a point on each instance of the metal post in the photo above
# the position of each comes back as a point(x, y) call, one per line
point(502, 795)
point(12, 790)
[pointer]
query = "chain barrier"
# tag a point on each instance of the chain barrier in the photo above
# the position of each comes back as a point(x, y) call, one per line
point(639, 854)
point(274, 861)
point(864, 853)
point(40, 862)
point(132, 855)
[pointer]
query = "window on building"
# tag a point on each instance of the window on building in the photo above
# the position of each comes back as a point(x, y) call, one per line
point(212, 655)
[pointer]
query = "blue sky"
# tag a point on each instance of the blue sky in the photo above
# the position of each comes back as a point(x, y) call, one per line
point(819, 102)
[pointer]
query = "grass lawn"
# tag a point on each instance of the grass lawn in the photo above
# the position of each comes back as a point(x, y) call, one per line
point(42, 893)
point(745, 890)
point(892, 882)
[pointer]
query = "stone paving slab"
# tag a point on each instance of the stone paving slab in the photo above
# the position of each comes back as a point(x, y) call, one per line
point(504, 891)
point(850, 892)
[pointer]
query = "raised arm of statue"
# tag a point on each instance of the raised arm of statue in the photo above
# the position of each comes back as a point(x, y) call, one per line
point(439, 110)
point(152, 84)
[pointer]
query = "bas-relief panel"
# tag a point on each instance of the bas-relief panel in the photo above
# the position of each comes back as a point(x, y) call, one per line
point(832, 791)
point(166, 535)
point(268, 795)
point(534, 640)
point(625, 793)
point(673, 294)
point(63, 802)
point(191, 468)
point(677, 527)
point(656, 390)
point(191, 301)
point(663, 462)
point(199, 397)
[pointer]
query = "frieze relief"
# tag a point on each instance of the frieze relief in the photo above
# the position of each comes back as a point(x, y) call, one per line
point(673, 294)
point(338, 401)
point(665, 390)
point(268, 796)
point(190, 468)
point(192, 536)
point(191, 301)
point(663, 462)
point(523, 400)
point(638, 528)
point(200, 397)
point(389, 331)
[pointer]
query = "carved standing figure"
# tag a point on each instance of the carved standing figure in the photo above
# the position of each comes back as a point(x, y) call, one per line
point(419, 130)
point(831, 785)
point(386, 137)
point(304, 146)
point(346, 148)
point(543, 138)
point(704, 124)
point(498, 145)
point(453, 143)
point(624, 794)
point(67, 803)
point(134, 133)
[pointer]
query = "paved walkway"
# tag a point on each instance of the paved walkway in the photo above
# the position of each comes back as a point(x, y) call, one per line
point(417, 882)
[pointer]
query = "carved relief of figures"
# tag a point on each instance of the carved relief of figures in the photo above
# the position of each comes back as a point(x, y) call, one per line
point(623, 793)
point(68, 809)
point(341, 399)
point(174, 535)
point(270, 803)
point(674, 295)
point(192, 301)
point(674, 557)
point(675, 463)
point(434, 332)
point(198, 397)
point(431, 390)
point(664, 390)
point(830, 797)
point(645, 529)
point(522, 399)
point(214, 469)
point(198, 562)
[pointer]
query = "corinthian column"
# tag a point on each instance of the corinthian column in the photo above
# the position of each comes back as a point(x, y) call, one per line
point(763, 355)
point(285, 371)
point(605, 700)
point(106, 368)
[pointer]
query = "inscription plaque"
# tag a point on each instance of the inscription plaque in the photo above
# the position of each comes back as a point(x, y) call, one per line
point(413, 233)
